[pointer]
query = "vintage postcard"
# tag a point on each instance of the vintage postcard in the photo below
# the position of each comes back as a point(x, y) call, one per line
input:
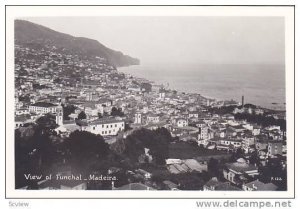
point(150, 102)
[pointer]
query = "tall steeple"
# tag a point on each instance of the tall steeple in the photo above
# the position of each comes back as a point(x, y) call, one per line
point(59, 115)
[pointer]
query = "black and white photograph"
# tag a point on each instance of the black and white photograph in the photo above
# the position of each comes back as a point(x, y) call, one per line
point(174, 103)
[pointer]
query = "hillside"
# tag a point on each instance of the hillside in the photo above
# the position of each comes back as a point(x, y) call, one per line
point(28, 33)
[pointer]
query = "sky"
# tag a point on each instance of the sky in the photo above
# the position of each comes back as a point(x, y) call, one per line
point(197, 40)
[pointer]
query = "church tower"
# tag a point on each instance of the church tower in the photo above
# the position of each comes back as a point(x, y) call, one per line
point(138, 118)
point(59, 115)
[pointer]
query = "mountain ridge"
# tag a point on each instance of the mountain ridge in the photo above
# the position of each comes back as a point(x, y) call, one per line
point(27, 32)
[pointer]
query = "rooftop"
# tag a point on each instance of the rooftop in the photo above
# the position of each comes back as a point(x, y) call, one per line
point(43, 104)
point(135, 186)
point(241, 166)
point(105, 121)
point(22, 118)
point(260, 186)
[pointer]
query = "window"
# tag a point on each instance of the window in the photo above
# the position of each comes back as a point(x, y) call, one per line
point(115, 125)
point(111, 126)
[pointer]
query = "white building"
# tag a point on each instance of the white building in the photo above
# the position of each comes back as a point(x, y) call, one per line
point(181, 122)
point(193, 114)
point(42, 108)
point(247, 142)
point(22, 111)
point(256, 131)
point(203, 133)
point(200, 124)
point(233, 171)
point(104, 127)
point(162, 95)
point(104, 102)
point(152, 118)
point(236, 143)
point(137, 118)
point(257, 185)
point(18, 104)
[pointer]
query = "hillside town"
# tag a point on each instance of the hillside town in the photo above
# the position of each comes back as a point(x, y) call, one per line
point(133, 134)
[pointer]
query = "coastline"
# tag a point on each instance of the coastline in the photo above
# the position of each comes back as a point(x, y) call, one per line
point(207, 97)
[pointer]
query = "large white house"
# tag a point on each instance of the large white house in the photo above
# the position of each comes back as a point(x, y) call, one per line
point(180, 122)
point(152, 118)
point(203, 133)
point(42, 108)
point(233, 171)
point(104, 127)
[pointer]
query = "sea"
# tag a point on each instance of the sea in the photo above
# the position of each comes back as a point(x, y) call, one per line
point(262, 85)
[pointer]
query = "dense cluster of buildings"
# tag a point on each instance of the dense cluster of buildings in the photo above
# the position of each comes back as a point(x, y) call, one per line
point(48, 81)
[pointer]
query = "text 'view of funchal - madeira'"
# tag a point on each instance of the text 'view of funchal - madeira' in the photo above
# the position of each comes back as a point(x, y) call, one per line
point(81, 124)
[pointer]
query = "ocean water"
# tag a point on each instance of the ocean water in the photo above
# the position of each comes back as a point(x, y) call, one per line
point(262, 85)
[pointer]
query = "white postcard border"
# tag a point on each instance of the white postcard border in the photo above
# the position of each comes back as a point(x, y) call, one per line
point(14, 12)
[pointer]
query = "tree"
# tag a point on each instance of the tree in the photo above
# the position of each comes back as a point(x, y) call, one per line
point(236, 154)
point(250, 106)
point(127, 127)
point(263, 120)
point(24, 98)
point(42, 138)
point(254, 158)
point(46, 123)
point(133, 146)
point(157, 141)
point(146, 86)
point(188, 181)
point(57, 80)
point(23, 146)
point(213, 167)
point(274, 172)
point(68, 109)
point(86, 148)
point(118, 146)
point(81, 115)
point(222, 110)
point(34, 149)
point(160, 148)
point(116, 112)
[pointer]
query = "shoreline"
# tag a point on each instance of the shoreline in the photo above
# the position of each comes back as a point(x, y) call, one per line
point(204, 96)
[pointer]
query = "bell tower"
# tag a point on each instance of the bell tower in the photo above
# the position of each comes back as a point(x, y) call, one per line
point(138, 118)
point(59, 115)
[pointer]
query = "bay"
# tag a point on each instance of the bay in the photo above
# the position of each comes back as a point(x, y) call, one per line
point(262, 85)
